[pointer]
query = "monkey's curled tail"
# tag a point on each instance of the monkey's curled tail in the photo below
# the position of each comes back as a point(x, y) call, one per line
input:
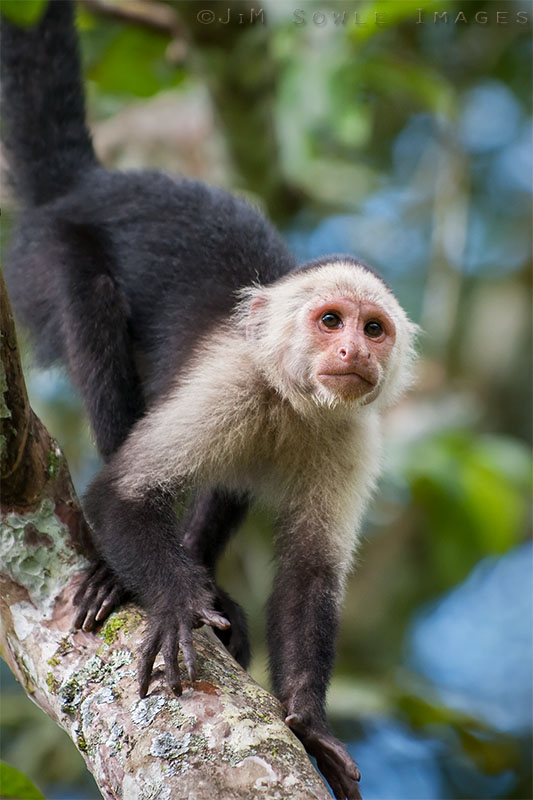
point(47, 143)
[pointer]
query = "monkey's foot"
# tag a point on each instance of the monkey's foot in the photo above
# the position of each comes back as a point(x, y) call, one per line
point(99, 594)
point(235, 639)
point(170, 625)
point(333, 760)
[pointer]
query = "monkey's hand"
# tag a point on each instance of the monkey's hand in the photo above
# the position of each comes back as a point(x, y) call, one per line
point(333, 761)
point(171, 620)
point(99, 593)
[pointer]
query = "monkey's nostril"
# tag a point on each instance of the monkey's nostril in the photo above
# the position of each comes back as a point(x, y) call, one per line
point(343, 353)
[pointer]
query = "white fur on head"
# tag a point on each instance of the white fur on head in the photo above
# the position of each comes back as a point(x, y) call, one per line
point(274, 319)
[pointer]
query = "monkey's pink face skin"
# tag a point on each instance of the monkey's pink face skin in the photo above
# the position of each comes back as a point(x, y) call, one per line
point(353, 340)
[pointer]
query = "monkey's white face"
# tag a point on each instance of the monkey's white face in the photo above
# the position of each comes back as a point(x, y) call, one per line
point(334, 334)
point(351, 340)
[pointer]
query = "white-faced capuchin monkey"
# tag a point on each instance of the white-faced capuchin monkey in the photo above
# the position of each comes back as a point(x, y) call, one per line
point(207, 361)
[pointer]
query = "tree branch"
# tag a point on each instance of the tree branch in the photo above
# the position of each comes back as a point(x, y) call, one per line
point(224, 737)
point(150, 14)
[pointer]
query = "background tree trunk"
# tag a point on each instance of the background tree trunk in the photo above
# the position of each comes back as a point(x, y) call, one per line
point(239, 69)
point(224, 738)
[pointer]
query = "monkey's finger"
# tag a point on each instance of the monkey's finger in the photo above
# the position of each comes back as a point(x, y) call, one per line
point(90, 582)
point(214, 619)
point(79, 619)
point(354, 793)
point(85, 594)
point(325, 747)
point(84, 608)
point(336, 753)
point(346, 767)
point(336, 787)
point(333, 760)
point(110, 602)
point(187, 648)
point(81, 592)
point(170, 654)
point(90, 619)
point(146, 662)
point(351, 791)
point(84, 584)
point(343, 787)
point(340, 775)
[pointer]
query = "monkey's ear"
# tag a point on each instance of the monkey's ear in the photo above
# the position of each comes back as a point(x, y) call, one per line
point(259, 301)
point(256, 314)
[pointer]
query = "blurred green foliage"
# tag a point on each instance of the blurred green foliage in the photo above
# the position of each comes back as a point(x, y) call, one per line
point(128, 60)
point(28, 12)
point(472, 493)
point(15, 786)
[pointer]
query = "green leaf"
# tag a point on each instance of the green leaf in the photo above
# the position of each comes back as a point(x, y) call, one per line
point(24, 12)
point(16, 786)
point(135, 63)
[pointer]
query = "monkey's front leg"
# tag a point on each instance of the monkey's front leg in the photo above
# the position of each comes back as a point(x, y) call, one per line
point(138, 538)
point(302, 629)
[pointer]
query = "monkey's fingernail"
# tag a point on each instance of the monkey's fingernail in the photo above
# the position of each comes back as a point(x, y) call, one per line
point(191, 670)
point(79, 620)
point(104, 610)
point(144, 684)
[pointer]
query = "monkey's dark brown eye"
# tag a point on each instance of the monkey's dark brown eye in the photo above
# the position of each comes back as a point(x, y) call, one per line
point(373, 330)
point(331, 320)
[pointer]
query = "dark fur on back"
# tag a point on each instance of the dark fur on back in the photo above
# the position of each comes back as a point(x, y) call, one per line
point(93, 302)
point(176, 250)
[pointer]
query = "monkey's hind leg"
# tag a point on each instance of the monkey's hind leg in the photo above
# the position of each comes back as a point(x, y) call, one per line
point(96, 329)
point(100, 358)
point(211, 521)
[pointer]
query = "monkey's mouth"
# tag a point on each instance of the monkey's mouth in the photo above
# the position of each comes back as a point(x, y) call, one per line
point(350, 376)
point(351, 384)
